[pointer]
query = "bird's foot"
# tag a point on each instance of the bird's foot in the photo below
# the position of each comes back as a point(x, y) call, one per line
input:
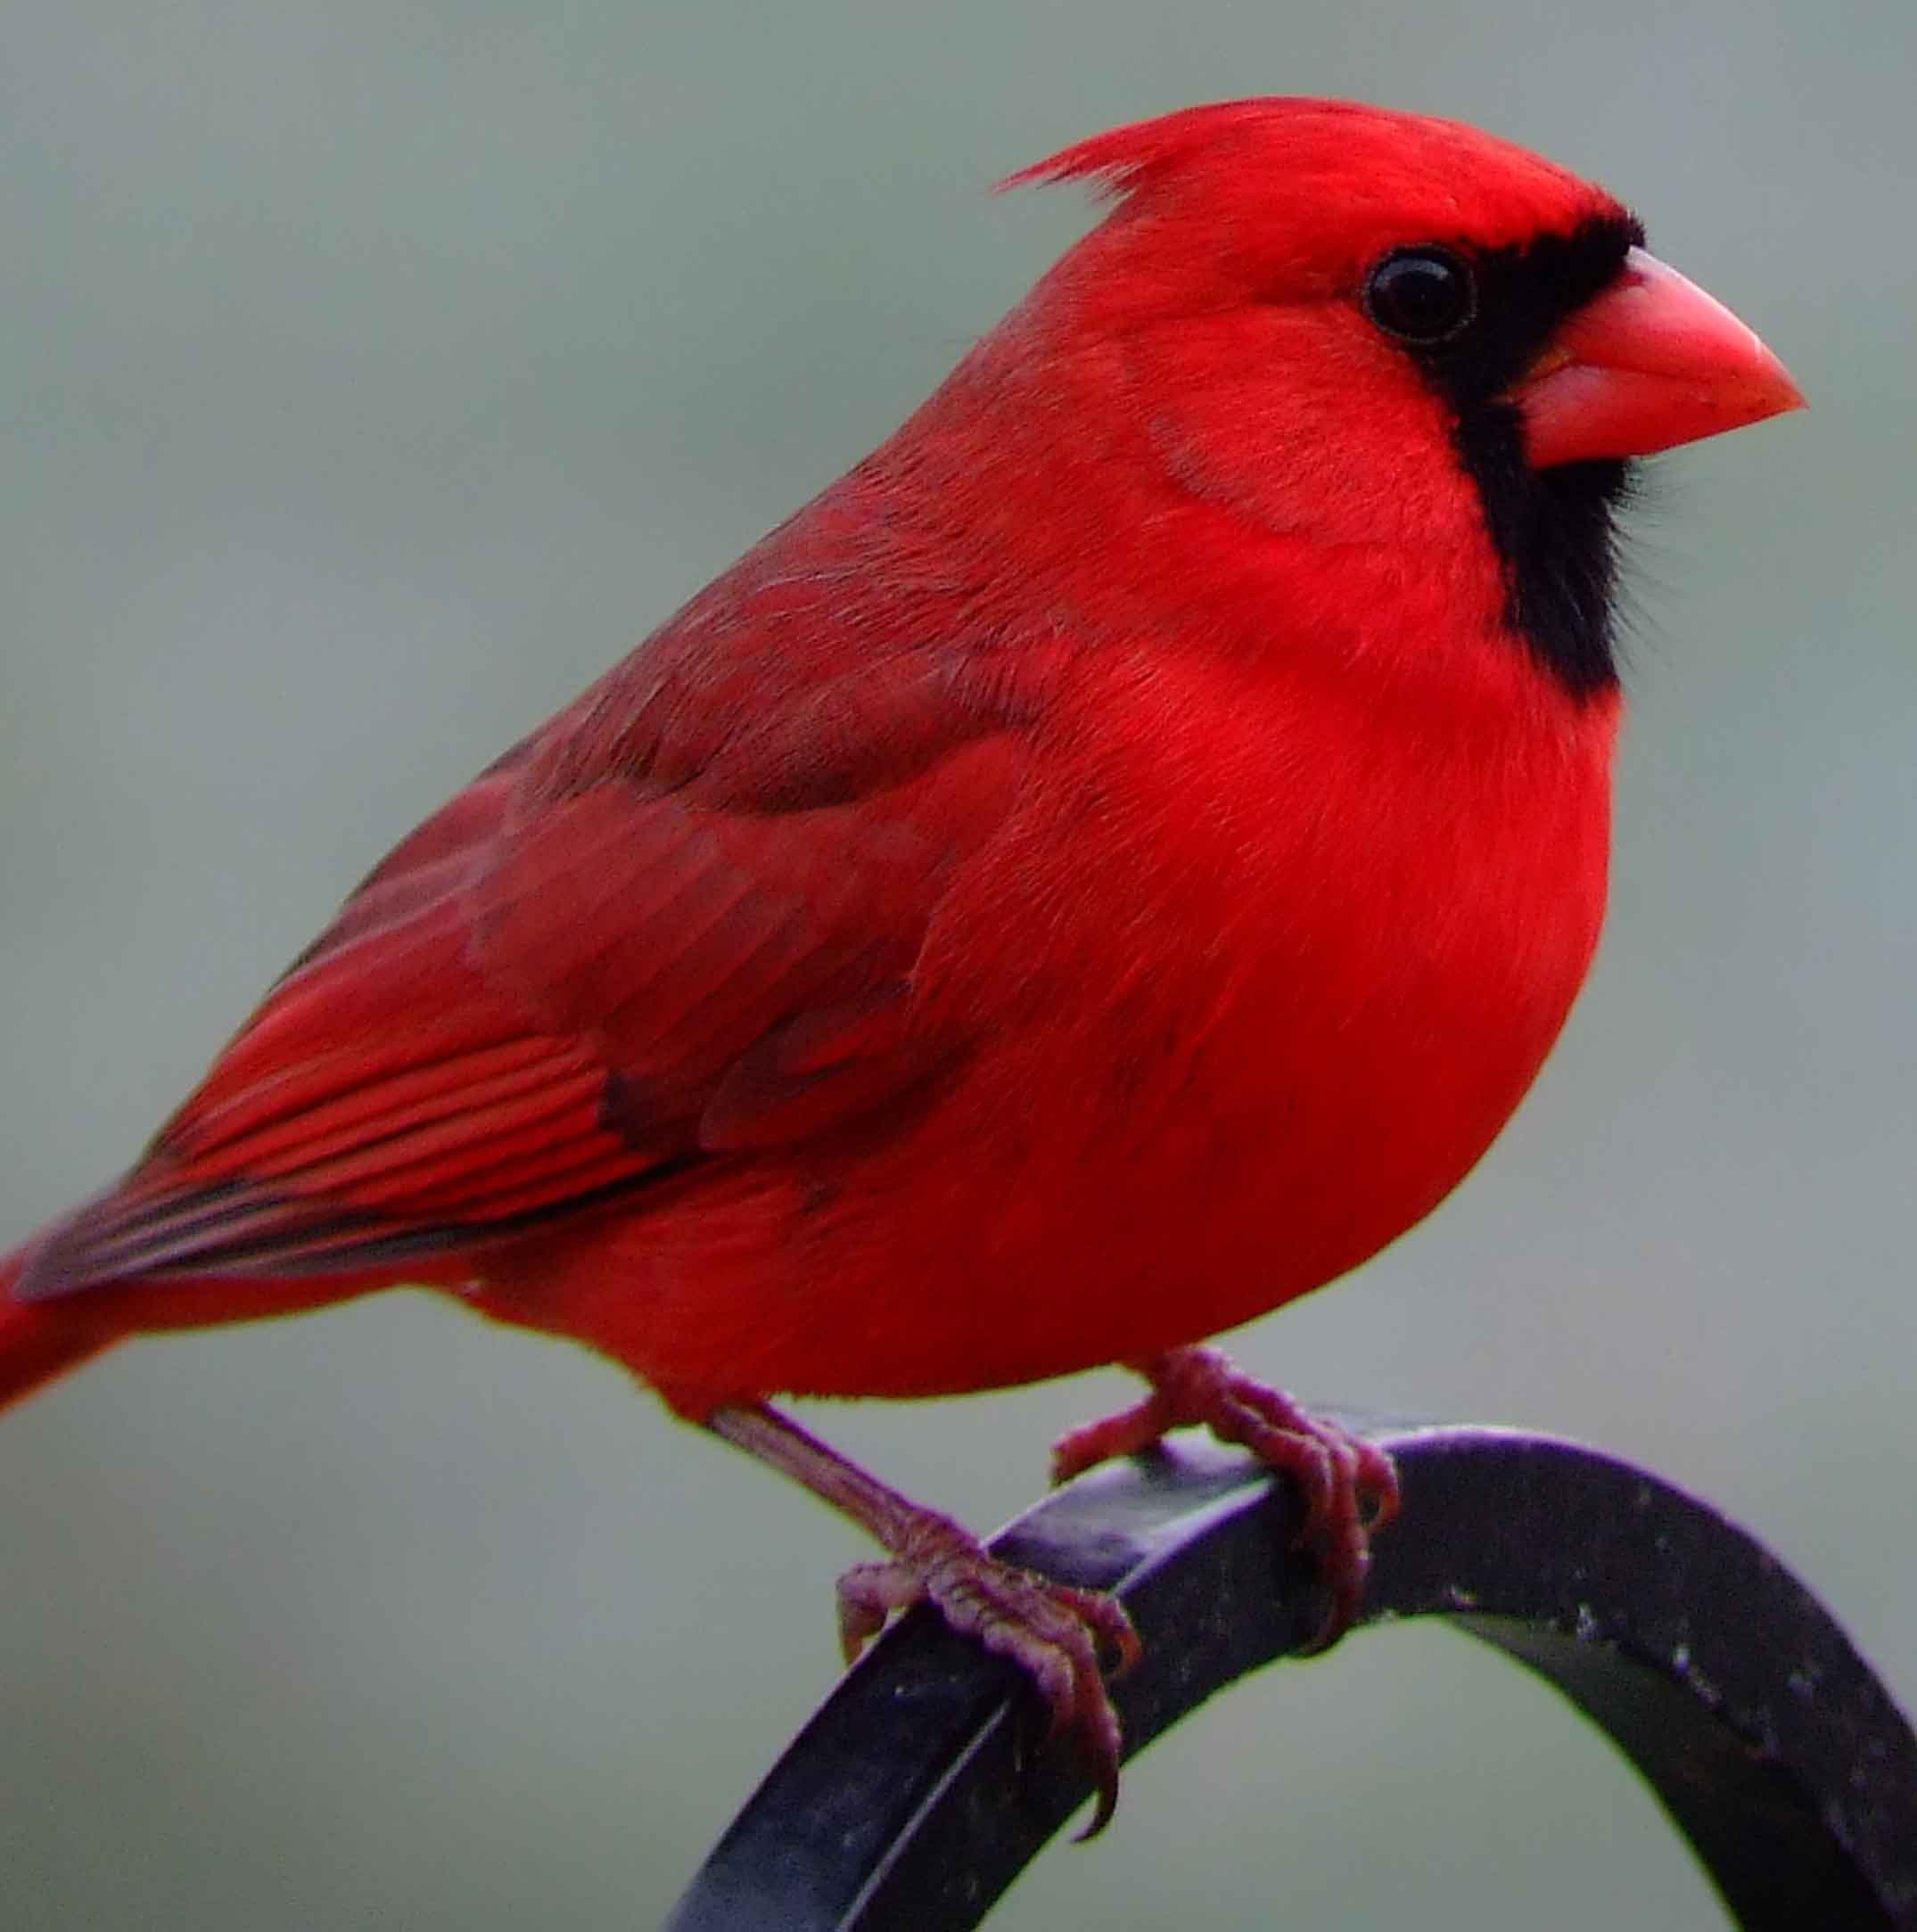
point(1349, 1485)
point(1053, 1633)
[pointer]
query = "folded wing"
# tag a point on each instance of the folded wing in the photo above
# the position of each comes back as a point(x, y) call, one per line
point(653, 938)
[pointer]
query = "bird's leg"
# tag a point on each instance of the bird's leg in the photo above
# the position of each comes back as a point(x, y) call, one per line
point(1349, 1486)
point(1052, 1631)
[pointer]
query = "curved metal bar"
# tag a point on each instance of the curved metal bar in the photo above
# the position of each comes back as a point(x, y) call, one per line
point(922, 1787)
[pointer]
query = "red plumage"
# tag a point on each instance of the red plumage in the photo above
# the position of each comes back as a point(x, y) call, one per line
point(1104, 868)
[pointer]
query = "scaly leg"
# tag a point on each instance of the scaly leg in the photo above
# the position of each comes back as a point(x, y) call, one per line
point(1052, 1631)
point(1351, 1489)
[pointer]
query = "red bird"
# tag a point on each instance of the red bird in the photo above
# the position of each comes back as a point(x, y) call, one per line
point(1108, 866)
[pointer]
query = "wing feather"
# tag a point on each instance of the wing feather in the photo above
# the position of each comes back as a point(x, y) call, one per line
point(576, 976)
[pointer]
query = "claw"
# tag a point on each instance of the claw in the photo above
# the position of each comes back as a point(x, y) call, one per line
point(1349, 1485)
point(1053, 1632)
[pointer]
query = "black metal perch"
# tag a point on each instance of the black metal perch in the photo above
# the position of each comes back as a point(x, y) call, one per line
point(919, 1790)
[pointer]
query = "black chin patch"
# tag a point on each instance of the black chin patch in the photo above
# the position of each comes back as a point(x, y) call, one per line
point(1555, 529)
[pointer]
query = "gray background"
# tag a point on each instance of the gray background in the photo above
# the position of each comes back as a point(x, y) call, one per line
point(374, 371)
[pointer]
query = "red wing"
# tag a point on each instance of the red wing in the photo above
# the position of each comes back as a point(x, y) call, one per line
point(434, 859)
point(568, 981)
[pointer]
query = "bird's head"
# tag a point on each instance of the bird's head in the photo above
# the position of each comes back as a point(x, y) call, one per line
point(1386, 331)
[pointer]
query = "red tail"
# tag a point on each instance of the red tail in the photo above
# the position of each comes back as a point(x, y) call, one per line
point(38, 1341)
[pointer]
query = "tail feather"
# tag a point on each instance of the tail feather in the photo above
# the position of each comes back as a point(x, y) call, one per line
point(38, 1342)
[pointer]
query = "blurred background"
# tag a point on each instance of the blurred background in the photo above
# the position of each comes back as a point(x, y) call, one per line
point(375, 373)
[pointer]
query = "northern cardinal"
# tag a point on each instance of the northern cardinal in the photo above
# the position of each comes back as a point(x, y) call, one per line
point(1106, 867)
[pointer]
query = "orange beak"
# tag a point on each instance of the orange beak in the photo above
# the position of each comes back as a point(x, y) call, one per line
point(1650, 363)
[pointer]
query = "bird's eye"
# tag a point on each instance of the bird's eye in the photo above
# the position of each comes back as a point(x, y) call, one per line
point(1420, 295)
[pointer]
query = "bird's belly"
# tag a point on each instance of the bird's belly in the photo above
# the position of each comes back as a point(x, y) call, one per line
point(1177, 1213)
point(1145, 1171)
